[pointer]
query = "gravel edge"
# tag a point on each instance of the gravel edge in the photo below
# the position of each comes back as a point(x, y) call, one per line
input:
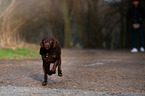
point(30, 91)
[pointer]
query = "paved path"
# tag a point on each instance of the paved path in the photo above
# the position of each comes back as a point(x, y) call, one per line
point(29, 91)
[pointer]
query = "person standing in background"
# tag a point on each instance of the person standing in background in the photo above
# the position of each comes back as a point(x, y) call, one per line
point(137, 14)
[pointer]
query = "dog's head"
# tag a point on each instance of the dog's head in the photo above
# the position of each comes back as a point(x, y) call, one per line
point(47, 43)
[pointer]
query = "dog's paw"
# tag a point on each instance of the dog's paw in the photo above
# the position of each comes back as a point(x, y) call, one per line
point(44, 83)
point(60, 74)
point(53, 72)
point(49, 73)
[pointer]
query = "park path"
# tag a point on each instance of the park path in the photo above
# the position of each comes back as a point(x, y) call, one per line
point(84, 72)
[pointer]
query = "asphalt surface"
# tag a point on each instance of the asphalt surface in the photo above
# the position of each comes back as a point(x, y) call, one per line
point(85, 73)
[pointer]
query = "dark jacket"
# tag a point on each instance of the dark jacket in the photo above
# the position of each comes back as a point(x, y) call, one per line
point(136, 14)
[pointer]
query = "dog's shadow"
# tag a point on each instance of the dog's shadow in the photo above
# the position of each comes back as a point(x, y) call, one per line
point(40, 78)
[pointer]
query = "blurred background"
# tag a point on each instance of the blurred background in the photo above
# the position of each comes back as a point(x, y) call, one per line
point(74, 23)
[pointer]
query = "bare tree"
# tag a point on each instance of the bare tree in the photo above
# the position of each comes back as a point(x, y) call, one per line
point(9, 25)
point(67, 26)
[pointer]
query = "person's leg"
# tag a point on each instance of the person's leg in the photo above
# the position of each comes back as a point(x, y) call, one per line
point(141, 39)
point(134, 38)
point(141, 36)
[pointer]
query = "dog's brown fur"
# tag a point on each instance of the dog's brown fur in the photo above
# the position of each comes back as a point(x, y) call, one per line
point(51, 53)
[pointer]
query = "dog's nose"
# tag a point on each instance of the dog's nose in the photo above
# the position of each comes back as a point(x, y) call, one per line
point(46, 44)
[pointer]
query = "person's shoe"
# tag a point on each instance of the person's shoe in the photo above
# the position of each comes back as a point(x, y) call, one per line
point(142, 49)
point(134, 50)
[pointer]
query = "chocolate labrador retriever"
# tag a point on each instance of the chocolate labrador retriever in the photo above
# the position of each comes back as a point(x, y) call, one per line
point(51, 54)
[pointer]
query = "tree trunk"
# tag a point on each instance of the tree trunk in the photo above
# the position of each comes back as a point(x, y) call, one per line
point(67, 26)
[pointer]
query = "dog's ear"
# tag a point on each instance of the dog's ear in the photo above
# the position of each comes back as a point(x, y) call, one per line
point(42, 43)
point(55, 44)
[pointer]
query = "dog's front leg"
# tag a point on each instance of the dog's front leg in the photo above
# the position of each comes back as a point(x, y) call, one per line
point(45, 76)
point(53, 70)
point(45, 79)
point(46, 69)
